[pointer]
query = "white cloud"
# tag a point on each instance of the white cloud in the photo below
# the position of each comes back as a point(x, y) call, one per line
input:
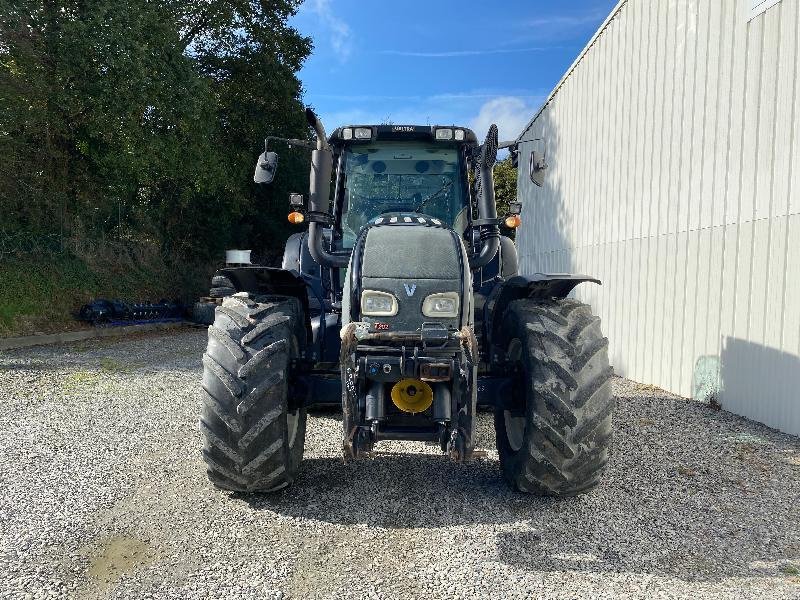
point(339, 31)
point(457, 53)
point(553, 27)
point(510, 113)
point(566, 21)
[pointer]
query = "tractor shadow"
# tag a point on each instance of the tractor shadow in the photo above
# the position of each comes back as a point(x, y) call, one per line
point(719, 502)
point(409, 485)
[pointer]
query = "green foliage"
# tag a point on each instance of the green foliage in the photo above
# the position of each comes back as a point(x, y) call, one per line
point(505, 190)
point(505, 184)
point(141, 120)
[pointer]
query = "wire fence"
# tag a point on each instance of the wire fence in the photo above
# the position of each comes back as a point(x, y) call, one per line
point(21, 244)
point(29, 245)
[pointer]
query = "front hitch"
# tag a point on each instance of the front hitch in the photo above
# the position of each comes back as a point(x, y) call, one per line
point(412, 385)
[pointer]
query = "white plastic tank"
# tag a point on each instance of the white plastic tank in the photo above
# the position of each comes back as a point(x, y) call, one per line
point(237, 257)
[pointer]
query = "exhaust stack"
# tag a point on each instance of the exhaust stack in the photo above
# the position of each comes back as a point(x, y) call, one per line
point(487, 208)
point(319, 196)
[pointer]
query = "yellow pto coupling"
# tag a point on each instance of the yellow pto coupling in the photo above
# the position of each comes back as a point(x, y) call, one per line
point(412, 395)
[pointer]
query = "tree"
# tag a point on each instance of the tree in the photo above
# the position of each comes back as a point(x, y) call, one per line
point(142, 120)
point(505, 184)
point(505, 190)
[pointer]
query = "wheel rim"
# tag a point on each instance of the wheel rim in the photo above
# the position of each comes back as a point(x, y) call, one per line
point(292, 425)
point(293, 417)
point(514, 426)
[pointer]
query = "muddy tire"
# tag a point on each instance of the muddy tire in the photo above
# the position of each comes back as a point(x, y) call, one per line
point(221, 292)
point(203, 312)
point(221, 281)
point(221, 287)
point(555, 439)
point(253, 430)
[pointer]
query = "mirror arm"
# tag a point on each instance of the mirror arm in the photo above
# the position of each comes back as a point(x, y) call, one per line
point(291, 142)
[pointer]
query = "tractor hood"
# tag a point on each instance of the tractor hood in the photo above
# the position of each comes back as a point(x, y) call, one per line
point(406, 270)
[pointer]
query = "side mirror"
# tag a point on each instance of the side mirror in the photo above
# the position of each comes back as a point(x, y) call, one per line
point(265, 167)
point(537, 166)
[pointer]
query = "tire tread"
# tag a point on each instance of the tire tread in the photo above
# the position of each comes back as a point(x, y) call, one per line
point(570, 407)
point(245, 395)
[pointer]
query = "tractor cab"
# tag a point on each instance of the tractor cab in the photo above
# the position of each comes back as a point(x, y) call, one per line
point(400, 171)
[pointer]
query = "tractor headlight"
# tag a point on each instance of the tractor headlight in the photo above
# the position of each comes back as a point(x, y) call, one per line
point(362, 133)
point(441, 305)
point(378, 304)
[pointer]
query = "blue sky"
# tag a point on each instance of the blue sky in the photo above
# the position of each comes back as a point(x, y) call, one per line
point(440, 61)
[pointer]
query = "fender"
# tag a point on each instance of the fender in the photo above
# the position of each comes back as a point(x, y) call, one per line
point(265, 281)
point(536, 286)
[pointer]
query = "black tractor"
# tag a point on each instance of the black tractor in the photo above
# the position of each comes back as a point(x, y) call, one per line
point(403, 302)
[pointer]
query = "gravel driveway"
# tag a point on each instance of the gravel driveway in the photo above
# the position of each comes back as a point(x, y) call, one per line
point(103, 495)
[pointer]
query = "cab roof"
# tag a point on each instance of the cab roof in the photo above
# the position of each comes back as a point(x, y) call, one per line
point(348, 134)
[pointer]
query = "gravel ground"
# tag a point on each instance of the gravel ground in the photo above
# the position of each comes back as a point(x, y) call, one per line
point(103, 495)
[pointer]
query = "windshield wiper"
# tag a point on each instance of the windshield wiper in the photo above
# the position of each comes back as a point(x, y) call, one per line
point(438, 192)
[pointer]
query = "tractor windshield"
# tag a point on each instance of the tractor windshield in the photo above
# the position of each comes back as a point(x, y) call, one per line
point(408, 177)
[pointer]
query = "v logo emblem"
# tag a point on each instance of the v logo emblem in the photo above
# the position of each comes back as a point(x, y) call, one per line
point(410, 289)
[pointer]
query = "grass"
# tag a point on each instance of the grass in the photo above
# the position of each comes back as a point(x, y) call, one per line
point(80, 380)
point(43, 295)
point(790, 570)
point(110, 365)
point(89, 378)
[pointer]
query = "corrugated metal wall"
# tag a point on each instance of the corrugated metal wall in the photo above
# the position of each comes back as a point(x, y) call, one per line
point(673, 145)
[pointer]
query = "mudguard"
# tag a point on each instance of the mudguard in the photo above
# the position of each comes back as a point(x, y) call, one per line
point(538, 285)
point(270, 281)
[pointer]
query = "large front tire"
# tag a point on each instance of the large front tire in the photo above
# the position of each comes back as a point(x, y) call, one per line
point(253, 432)
point(554, 439)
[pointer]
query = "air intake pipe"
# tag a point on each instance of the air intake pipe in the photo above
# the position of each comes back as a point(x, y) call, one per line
point(319, 197)
point(487, 208)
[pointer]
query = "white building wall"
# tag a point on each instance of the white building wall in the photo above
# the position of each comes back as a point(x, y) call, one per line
point(673, 145)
